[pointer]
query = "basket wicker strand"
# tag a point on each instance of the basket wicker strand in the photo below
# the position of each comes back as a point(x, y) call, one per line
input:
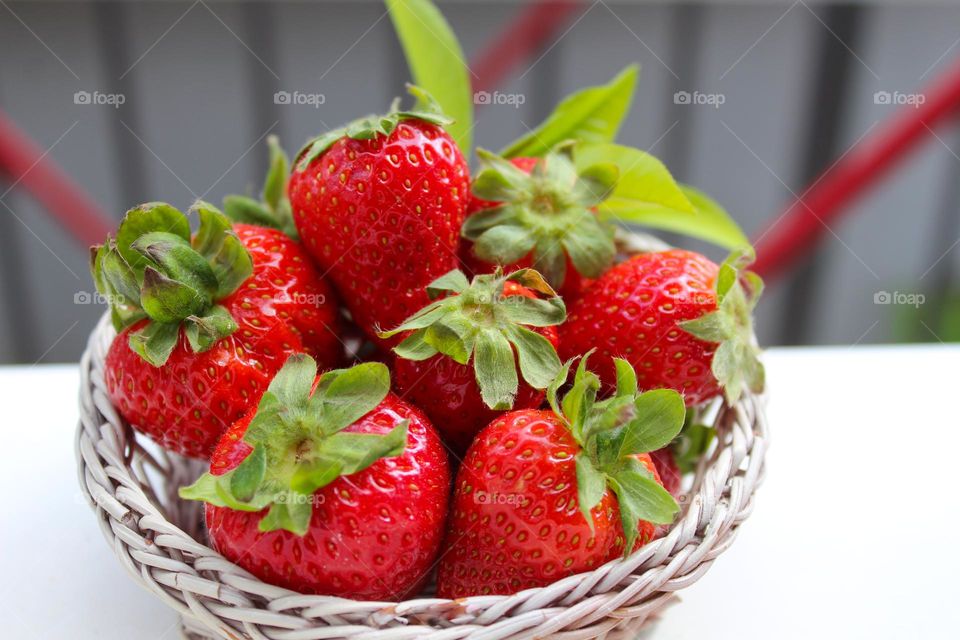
point(132, 487)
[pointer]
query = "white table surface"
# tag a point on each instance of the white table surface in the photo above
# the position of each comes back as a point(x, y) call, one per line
point(855, 532)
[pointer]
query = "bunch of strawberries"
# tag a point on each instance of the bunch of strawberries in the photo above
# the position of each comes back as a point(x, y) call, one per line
point(508, 336)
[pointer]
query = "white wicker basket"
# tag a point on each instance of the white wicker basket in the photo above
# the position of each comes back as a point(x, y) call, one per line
point(132, 488)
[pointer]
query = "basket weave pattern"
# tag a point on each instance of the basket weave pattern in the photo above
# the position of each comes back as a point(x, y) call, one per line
point(159, 539)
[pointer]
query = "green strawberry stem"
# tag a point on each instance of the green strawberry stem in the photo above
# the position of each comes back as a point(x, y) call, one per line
point(299, 443)
point(612, 432)
point(547, 212)
point(155, 271)
point(475, 321)
point(736, 362)
point(273, 210)
point(369, 127)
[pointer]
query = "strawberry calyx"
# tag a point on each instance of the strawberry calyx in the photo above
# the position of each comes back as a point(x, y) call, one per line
point(273, 210)
point(611, 434)
point(476, 321)
point(155, 271)
point(736, 362)
point(547, 212)
point(368, 127)
point(299, 444)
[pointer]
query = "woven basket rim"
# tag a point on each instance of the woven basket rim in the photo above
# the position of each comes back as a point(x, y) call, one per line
point(215, 596)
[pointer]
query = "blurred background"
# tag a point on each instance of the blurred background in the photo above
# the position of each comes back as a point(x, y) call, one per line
point(104, 105)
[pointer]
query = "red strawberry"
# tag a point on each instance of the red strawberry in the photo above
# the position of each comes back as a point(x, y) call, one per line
point(682, 323)
point(539, 213)
point(205, 321)
point(542, 495)
point(379, 205)
point(332, 486)
point(457, 362)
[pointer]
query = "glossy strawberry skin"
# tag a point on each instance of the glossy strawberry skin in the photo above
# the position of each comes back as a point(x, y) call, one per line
point(283, 308)
point(373, 535)
point(634, 311)
point(447, 391)
point(515, 522)
point(573, 284)
point(383, 217)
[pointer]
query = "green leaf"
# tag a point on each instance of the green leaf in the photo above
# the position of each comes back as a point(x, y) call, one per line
point(590, 246)
point(454, 281)
point(444, 336)
point(155, 342)
point(414, 347)
point(643, 182)
point(476, 223)
point(349, 394)
point(291, 385)
point(291, 515)
point(275, 186)
point(710, 222)
point(539, 363)
point(657, 421)
point(436, 62)
point(205, 331)
point(495, 370)
point(246, 210)
point(535, 312)
point(248, 475)
point(550, 259)
point(591, 115)
point(641, 498)
point(596, 183)
point(626, 378)
point(152, 216)
point(591, 485)
point(357, 451)
point(504, 244)
point(555, 384)
point(169, 301)
point(177, 259)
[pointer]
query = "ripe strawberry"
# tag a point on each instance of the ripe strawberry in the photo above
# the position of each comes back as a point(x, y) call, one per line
point(331, 486)
point(457, 362)
point(204, 322)
point(532, 212)
point(379, 206)
point(682, 322)
point(542, 495)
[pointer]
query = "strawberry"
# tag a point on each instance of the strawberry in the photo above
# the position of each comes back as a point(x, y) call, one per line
point(379, 204)
point(204, 322)
point(542, 495)
point(457, 361)
point(539, 213)
point(681, 321)
point(332, 486)
point(667, 470)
